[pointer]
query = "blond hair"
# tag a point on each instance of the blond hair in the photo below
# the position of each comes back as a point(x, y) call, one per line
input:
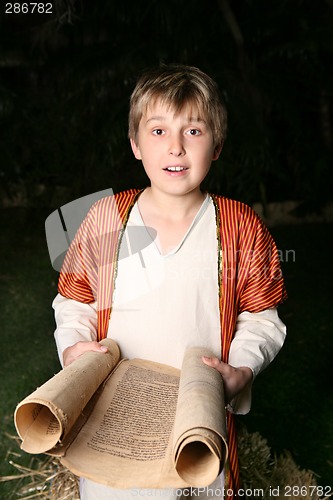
point(177, 86)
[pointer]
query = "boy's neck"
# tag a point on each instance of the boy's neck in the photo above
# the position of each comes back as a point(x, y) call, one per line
point(172, 206)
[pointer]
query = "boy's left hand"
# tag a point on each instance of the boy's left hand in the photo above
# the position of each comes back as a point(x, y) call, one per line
point(234, 379)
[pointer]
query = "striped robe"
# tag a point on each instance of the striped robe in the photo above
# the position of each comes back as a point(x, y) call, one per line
point(249, 273)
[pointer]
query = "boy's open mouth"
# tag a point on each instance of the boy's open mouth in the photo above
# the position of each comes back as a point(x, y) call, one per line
point(175, 169)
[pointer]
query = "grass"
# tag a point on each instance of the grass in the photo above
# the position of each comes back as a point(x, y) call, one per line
point(27, 286)
point(292, 400)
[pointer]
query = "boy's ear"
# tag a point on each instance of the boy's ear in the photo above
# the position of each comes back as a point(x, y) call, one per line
point(217, 151)
point(135, 149)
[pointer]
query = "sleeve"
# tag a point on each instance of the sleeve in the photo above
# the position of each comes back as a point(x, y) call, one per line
point(78, 276)
point(75, 322)
point(258, 339)
point(75, 305)
point(260, 280)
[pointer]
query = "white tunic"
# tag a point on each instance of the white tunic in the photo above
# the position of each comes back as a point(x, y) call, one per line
point(165, 303)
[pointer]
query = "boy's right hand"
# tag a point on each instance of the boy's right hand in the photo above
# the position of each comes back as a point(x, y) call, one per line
point(73, 352)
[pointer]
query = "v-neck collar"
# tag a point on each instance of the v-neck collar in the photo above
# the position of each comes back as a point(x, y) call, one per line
point(194, 222)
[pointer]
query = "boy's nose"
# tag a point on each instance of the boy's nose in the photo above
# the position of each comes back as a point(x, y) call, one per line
point(176, 147)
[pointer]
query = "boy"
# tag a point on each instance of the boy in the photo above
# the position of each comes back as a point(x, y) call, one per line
point(208, 276)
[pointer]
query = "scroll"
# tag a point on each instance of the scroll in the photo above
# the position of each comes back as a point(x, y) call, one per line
point(130, 423)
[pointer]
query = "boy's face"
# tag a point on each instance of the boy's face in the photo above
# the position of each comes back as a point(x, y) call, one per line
point(176, 149)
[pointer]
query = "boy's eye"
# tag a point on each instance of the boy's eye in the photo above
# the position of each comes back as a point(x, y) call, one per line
point(193, 131)
point(158, 131)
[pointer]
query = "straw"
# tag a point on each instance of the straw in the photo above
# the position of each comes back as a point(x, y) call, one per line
point(46, 478)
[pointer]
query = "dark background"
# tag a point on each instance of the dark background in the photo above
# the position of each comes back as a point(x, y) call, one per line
point(65, 82)
point(66, 78)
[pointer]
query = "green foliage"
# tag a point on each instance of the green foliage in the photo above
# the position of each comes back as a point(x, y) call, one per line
point(65, 81)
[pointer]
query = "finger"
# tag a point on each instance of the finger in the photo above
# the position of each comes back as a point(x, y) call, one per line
point(91, 346)
point(99, 347)
point(211, 361)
